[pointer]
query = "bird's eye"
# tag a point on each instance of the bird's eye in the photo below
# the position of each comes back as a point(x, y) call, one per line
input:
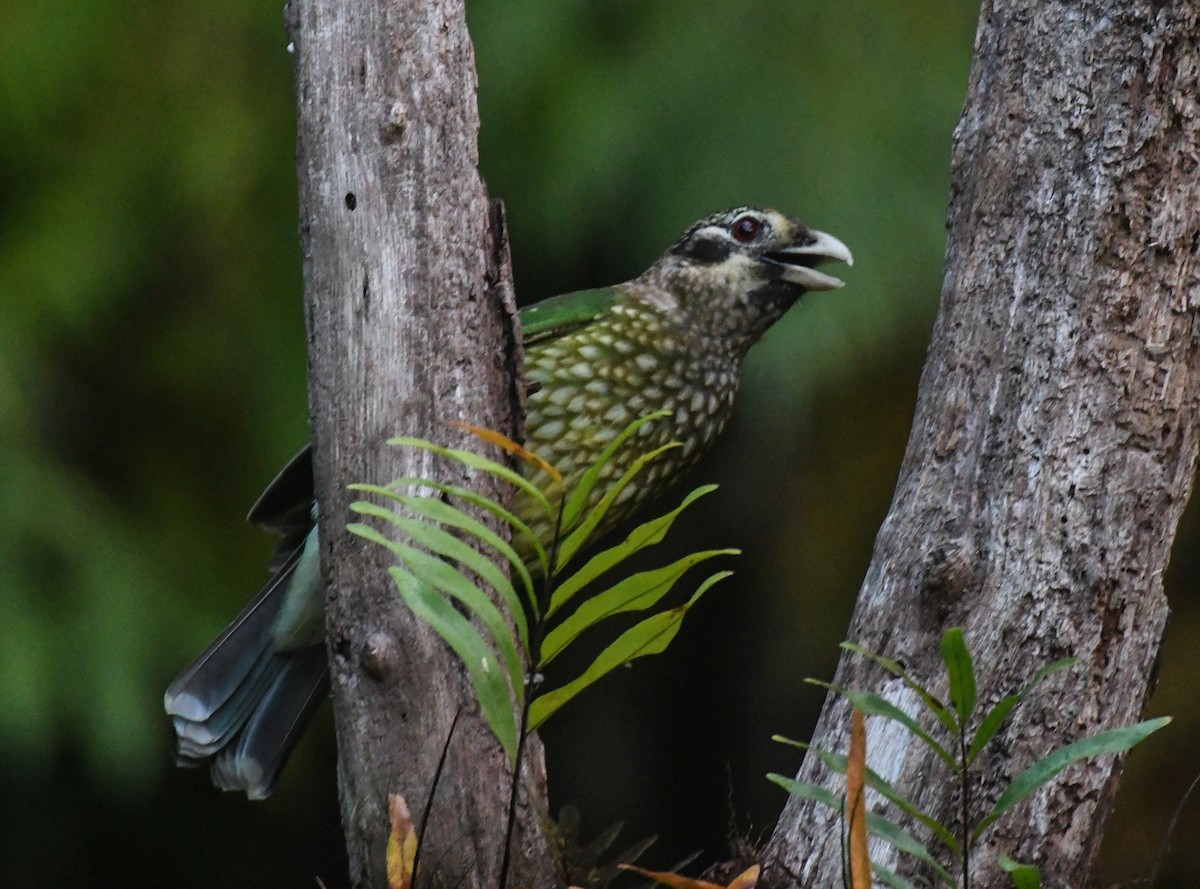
point(746, 228)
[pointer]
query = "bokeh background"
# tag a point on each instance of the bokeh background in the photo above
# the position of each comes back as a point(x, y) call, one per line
point(152, 380)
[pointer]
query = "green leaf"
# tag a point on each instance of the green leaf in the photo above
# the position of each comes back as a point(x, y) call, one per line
point(475, 499)
point(890, 877)
point(996, 716)
point(876, 824)
point(836, 762)
point(465, 640)
point(579, 537)
point(579, 497)
point(451, 581)
point(649, 636)
point(476, 461)
point(634, 593)
point(644, 535)
point(961, 671)
point(435, 509)
point(906, 843)
point(448, 579)
point(1023, 876)
point(1116, 740)
point(375, 536)
point(990, 725)
point(943, 713)
point(873, 705)
point(447, 545)
point(805, 790)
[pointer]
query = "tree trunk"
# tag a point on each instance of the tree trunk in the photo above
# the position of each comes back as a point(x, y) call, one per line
point(1055, 439)
point(410, 324)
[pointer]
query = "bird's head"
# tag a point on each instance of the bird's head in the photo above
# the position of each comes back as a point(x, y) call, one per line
point(735, 273)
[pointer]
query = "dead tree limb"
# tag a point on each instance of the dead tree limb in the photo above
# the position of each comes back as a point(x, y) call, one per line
point(410, 315)
point(1055, 439)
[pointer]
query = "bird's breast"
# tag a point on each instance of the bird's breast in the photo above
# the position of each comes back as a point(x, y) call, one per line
point(591, 384)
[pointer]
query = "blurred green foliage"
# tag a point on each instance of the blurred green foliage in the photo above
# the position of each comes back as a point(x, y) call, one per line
point(152, 378)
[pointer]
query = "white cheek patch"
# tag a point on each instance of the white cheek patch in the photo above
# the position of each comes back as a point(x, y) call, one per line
point(734, 272)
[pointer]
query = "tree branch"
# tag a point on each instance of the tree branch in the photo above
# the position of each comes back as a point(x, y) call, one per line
point(409, 308)
point(1055, 439)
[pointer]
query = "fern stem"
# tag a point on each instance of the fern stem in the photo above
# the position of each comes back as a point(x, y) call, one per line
point(514, 790)
point(437, 779)
point(537, 631)
point(965, 799)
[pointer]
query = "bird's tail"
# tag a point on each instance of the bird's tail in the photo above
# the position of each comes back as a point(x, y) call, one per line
point(242, 704)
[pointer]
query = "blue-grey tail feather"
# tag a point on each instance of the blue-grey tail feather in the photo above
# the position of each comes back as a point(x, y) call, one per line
point(202, 738)
point(210, 681)
point(241, 705)
point(266, 739)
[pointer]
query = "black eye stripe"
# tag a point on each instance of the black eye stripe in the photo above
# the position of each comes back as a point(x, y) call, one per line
point(707, 248)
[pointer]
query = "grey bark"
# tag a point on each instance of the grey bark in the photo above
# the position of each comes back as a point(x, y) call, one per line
point(1055, 439)
point(410, 323)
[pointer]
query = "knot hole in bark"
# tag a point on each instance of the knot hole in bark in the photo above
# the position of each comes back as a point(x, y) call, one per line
point(947, 572)
point(395, 121)
point(380, 658)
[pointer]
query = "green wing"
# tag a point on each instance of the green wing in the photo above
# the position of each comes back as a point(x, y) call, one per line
point(559, 315)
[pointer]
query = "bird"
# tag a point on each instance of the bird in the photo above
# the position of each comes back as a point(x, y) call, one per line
point(671, 340)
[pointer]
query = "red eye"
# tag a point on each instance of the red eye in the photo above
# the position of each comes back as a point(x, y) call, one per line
point(745, 229)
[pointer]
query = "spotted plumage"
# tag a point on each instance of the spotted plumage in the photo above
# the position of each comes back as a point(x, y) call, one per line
point(672, 339)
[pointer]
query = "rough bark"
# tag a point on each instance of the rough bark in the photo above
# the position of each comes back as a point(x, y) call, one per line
point(1055, 438)
point(410, 313)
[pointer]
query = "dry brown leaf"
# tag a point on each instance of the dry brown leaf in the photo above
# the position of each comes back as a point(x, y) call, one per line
point(856, 803)
point(745, 880)
point(402, 844)
point(503, 441)
point(675, 881)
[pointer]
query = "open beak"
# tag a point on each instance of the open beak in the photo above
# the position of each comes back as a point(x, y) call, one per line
point(796, 264)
